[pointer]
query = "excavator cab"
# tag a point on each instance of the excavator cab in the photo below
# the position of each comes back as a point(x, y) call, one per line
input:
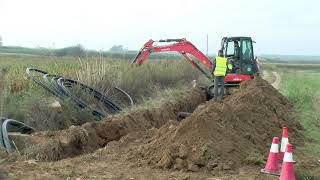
point(239, 51)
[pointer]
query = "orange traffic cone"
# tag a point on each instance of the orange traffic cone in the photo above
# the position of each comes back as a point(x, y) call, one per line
point(284, 142)
point(272, 166)
point(287, 171)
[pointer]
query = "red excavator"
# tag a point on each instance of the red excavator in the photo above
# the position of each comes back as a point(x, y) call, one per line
point(238, 51)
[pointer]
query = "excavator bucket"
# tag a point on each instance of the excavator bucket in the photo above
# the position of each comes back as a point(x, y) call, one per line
point(143, 53)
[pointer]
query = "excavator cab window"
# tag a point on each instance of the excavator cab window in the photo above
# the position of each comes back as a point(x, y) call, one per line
point(230, 49)
point(247, 58)
point(246, 50)
point(233, 49)
point(233, 53)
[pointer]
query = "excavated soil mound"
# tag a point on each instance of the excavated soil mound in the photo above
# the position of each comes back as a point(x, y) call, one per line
point(222, 136)
point(91, 136)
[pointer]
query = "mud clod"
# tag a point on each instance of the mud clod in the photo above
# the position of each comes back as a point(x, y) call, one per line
point(193, 167)
point(183, 151)
point(212, 165)
point(179, 164)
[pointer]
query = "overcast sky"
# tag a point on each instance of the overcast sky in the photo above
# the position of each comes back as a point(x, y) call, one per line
point(278, 26)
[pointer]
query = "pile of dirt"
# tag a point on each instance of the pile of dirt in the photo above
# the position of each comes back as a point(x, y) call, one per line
point(91, 136)
point(222, 136)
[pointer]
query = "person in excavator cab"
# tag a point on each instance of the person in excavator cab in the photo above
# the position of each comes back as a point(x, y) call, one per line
point(236, 50)
point(235, 60)
point(219, 70)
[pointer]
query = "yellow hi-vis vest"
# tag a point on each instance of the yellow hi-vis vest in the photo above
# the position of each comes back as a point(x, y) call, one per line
point(221, 66)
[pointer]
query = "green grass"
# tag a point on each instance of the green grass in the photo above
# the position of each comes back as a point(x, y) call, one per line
point(303, 88)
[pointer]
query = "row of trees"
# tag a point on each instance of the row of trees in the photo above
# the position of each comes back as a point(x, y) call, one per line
point(115, 52)
point(80, 51)
point(75, 51)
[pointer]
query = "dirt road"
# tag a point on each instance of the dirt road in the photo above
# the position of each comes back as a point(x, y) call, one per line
point(274, 78)
point(277, 81)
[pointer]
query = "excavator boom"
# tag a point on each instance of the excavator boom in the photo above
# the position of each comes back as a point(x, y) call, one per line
point(181, 46)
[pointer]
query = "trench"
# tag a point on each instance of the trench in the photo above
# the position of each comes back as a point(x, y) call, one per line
point(77, 140)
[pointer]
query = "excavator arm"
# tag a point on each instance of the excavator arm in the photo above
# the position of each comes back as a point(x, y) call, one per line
point(181, 46)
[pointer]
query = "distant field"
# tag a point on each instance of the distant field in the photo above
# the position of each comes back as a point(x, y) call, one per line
point(298, 67)
point(291, 59)
point(79, 51)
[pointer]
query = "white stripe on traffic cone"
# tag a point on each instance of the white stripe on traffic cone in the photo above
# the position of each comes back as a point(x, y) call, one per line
point(284, 142)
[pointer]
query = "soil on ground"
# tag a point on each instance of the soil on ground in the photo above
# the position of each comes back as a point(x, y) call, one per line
point(219, 140)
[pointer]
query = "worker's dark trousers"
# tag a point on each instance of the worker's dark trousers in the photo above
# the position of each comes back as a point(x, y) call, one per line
point(218, 87)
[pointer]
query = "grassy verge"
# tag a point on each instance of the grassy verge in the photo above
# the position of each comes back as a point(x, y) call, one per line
point(303, 88)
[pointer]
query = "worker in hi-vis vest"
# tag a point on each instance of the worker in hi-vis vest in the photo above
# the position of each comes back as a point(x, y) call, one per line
point(220, 66)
